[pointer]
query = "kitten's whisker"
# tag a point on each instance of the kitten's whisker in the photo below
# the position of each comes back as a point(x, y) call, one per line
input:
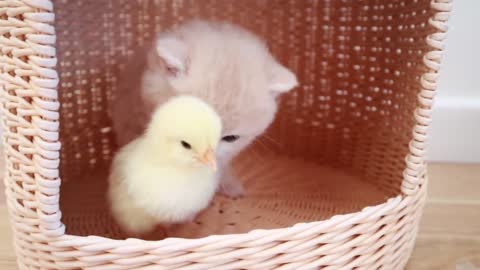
point(263, 144)
point(259, 142)
point(273, 146)
point(264, 136)
point(253, 151)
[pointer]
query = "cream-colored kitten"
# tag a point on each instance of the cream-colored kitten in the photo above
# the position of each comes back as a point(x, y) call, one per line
point(225, 65)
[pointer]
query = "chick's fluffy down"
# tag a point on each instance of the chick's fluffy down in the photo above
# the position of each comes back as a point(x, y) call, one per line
point(143, 194)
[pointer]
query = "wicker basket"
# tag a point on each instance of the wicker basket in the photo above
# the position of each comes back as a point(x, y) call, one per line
point(341, 187)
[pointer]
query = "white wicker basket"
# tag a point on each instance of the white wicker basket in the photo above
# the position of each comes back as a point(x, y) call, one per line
point(344, 190)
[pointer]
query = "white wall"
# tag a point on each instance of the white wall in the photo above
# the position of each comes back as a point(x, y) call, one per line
point(455, 130)
point(461, 54)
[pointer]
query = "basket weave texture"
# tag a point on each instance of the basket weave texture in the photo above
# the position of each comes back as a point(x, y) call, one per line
point(342, 185)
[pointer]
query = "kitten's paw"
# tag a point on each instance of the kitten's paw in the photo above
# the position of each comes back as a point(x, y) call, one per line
point(232, 189)
point(190, 219)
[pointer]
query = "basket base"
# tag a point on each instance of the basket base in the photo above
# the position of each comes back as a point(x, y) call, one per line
point(280, 192)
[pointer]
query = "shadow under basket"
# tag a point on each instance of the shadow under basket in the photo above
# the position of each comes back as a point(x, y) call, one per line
point(342, 185)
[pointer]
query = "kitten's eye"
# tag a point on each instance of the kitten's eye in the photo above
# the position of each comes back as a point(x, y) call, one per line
point(230, 138)
point(186, 145)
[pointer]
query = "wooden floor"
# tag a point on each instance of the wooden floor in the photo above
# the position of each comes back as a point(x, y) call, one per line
point(449, 237)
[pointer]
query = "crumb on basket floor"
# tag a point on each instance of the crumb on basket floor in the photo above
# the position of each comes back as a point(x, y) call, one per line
point(449, 236)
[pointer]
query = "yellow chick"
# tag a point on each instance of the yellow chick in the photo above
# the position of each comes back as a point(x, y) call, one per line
point(167, 175)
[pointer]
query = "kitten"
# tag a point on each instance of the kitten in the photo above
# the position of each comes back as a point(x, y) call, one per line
point(226, 66)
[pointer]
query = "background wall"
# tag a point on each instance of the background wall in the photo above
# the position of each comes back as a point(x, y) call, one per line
point(455, 130)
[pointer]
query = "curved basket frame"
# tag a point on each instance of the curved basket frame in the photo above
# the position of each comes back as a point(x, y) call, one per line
point(384, 234)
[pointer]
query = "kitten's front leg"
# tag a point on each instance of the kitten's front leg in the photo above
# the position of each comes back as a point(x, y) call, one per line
point(230, 186)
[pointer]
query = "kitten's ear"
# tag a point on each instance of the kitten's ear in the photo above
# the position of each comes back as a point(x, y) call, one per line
point(281, 80)
point(173, 54)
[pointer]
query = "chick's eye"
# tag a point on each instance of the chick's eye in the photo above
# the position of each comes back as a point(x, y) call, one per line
point(186, 145)
point(230, 138)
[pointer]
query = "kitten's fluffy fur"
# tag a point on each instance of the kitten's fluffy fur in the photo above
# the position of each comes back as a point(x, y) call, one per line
point(225, 65)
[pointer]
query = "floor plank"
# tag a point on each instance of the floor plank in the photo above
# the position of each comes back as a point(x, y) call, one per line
point(443, 253)
point(7, 254)
point(451, 219)
point(458, 183)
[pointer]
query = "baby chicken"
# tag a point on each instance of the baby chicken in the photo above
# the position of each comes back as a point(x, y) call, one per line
point(167, 175)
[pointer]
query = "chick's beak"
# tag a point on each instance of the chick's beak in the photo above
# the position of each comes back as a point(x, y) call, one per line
point(208, 158)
